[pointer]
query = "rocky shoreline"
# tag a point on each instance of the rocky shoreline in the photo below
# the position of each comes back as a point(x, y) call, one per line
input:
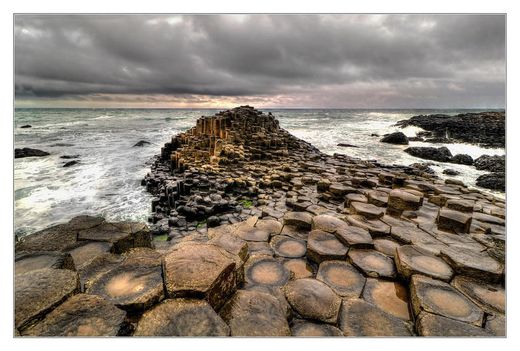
point(255, 232)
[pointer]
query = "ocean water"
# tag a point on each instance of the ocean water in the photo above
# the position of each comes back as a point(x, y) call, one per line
point(107, 179)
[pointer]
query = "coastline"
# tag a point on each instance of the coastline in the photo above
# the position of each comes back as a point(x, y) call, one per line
point(266, 218)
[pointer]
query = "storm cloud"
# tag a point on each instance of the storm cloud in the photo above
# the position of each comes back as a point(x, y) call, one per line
point(368, 61)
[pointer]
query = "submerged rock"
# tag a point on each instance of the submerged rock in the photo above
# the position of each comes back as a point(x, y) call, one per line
point(70, 163)
point(28, 152)
point(441, 154)
point(141, 143)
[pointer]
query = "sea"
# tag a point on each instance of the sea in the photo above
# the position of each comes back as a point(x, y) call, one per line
point(107, 179)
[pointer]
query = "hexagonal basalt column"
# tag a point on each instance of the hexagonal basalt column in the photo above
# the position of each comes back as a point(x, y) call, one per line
point(328, 223)
point(181, 317)
point(490, 297)
point(437, 297)
point(474, 264)
point(199, 270)
point(82, 315)
point(433, 325)
point(455, 221)
point(263, 270)
point(306, 328)
point(345, 280)
point(133, 285)
point(37, 292)
point(27, 262)
point(360, 318)
point(322, 246)
point(288, 247)
point(400, 200)
point(355, 237)
point(299, 219)
point(414, 260)
point(367, 210)
point(391, 297)
point(372, 263)
point(255, 313)
point(313, 299)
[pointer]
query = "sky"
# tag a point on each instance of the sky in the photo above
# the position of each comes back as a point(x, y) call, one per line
point(293, 61)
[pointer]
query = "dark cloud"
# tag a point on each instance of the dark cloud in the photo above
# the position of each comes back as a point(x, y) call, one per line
point(296, 60)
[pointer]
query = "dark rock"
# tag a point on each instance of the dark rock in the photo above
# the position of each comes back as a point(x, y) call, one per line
point(68, 157)
point(346, 145)
point(462, 159)
point(70, 163)
point(493, 181)
point(28, 152)
point(441, 154)
point(491, 163)
point(26, 126)
point(486, 128)
point(451, 172)
point(398, 138)
point(415, 138)
point(433, 325)
point(423, 167)
point(142, 143)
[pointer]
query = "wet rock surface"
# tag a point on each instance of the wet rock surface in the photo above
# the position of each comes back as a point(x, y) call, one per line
point(266, 236)
point(486, 128)
point(29, 152)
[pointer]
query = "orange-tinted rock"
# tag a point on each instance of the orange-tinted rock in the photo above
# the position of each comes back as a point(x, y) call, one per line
point(340, 276)
point(299, 268)
point(263, 270)
point(354, 237)
point(496, 324)
point(386, 246)
point(474, 264)
point(455, 221)
point(328, 223)
point(391, 297)
point(288, 247)
point(305, 328)
point(27, 262)
point(367, 210)
point(490, 297)
point(375, 226)
point(299, 219)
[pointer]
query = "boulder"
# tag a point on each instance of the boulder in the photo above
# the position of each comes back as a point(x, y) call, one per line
point(493, 181)
point(441, 154)
point(398, 138)
point(450, 172)
point(70, 163)
point(26, 126)
point(28, 152)
point(141, 143)
point(181, 317)
point(462, 159)
point(491, 163)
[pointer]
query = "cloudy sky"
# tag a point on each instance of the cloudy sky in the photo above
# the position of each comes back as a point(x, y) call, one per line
point(350, 61)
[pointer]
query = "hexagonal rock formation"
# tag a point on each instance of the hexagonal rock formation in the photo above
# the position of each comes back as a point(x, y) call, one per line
point(328, 223)
point(460, 205)
point(199, 270)
point(368, 210)
point(231, 244)
point(411, 260)
point(264, 270)
point(360, 318)
point(437, 297)
point(82, 315)
point(299, 268)
point(39, 291)
point(306, 328)
point(298, 219)
point(490, 297)
point(391, 297)
point(135, 284)
point(181, 317)
point(255, 313)
point(496, 324)
point(400, 200)
point(433, 325)
point(288, 247)
point(123, 236)
point(322, 246)
point(313, 299)
point(26, 262)
point(455, 221)
point(474, 264)
point(341, 277)
point(354, 237)
point(375, 226)
point(83, 253)
point(386, 246)
point(372, 263)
